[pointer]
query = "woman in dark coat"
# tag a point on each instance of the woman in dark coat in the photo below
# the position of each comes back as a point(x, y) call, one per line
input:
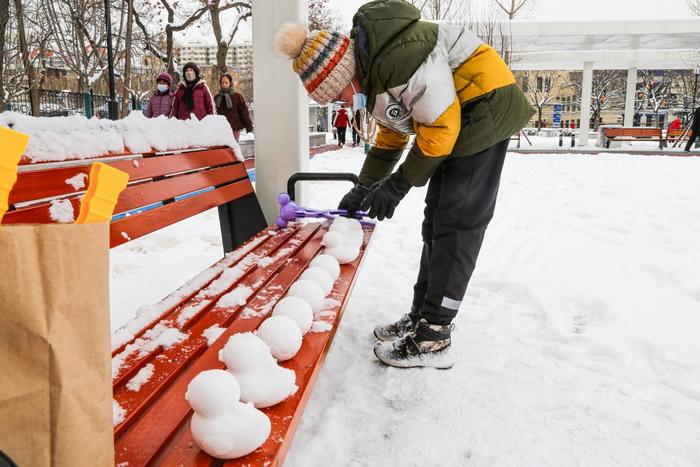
point(232, 105)
point(192, 95)
point(694, 130)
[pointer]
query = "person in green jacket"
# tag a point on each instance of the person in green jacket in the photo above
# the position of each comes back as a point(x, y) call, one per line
point(441, 83)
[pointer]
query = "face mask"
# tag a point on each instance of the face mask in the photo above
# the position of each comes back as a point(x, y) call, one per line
point(359, 100)
point(162, 88)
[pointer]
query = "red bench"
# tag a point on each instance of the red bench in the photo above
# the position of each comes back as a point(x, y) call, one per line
point(674, 135)
point(260, 264)
point(634, 134)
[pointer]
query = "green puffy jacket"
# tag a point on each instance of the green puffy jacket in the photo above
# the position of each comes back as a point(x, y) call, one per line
point(437, 81)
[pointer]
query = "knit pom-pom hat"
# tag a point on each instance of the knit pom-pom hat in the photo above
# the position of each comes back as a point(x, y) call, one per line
point(324, 60)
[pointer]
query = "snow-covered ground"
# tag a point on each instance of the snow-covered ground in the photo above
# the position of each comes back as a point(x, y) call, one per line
point(577, 344)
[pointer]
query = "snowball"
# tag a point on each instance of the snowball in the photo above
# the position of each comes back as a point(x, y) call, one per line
point(332, 239)
point(231, 434)
point(283, 336)
point(297, 309)
point(222, 426)
point(212, 391)
point(328, 263)
point(263, 382)
point(309, 291)
point(344, 254)
point(245, 351)
point(321, 277)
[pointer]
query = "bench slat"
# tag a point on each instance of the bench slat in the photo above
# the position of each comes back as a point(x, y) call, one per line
point(39, 214)
point(143, 223)
point(137, 196)
point(189, 290)
point(48, 183)
point(138, 444)
point(134, 363)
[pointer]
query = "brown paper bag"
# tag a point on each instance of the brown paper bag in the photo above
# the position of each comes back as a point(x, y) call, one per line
point(55, 360)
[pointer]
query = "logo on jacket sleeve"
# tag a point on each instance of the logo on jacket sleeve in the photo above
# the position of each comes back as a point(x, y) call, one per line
point(393, 112)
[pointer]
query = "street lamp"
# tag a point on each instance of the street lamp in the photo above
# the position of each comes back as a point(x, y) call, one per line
point(112, 103)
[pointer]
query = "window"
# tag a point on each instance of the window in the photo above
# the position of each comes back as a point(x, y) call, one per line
point(539, 84)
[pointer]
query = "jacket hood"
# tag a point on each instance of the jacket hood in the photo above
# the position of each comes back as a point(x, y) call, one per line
point(183, 83)
point(374, 26)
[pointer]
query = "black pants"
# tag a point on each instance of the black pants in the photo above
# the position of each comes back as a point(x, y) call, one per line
point(459, 206)
point(694, 135)
point(341, 134)
point(355, 136)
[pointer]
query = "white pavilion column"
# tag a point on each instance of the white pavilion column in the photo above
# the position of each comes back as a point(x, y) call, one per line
point(281, 106)
point(629, 97)
point(586, 92)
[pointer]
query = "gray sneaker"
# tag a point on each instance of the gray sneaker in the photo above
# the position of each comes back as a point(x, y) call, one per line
point(428, 345)
point(396, 330)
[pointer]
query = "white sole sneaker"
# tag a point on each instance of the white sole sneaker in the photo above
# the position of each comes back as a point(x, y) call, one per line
point(441, 360)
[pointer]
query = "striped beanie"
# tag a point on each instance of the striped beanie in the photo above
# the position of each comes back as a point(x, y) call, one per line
point(324, 60)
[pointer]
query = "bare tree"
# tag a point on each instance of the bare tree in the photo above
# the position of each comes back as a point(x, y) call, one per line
point(28, 66)
point(321, 16)
point(178, 17)
point(443, 10)
point(608, 91)
point(4, 19)
point(513, 8)
point(217, 8)
point(539, 87)
point(656, 90)
point(78, 37)
point(126, 76)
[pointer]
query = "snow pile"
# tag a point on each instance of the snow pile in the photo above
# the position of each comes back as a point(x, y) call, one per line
point(263, 382)
point(159, 336)
point(212, 333)
point(222, 426)
point(118, 413)
point(77, 181)
point(61, 211)
point(76, 137)
point(140, 378)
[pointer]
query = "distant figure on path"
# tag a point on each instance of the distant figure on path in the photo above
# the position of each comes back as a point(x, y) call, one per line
point(342, 118)
point(161, 102)
point(695, 130)
point(192, 96)
point(233, 106)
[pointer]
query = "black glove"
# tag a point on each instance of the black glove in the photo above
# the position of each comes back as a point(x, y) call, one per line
point(385, 195)
point(353, 199)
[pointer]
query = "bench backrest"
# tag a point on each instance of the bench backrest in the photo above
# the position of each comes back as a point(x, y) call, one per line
point(633, 132)
point(672, 133)
point(164, 188)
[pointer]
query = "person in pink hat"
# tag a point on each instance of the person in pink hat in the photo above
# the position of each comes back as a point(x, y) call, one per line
point(161, 102)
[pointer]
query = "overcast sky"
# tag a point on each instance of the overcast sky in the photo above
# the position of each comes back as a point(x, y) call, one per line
point(570, 9)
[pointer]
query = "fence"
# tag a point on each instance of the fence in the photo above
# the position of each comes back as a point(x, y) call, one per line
point(58, 104)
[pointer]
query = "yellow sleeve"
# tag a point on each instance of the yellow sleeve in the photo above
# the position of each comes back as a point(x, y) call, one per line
point(438, 139)
point(389, 139)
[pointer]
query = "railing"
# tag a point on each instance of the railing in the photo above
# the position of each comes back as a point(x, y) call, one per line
point(57, 104)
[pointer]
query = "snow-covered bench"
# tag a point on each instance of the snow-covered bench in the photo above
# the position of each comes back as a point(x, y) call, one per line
point(157, 354)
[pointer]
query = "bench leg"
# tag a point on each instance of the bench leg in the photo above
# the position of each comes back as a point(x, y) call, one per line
point(240, 219)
